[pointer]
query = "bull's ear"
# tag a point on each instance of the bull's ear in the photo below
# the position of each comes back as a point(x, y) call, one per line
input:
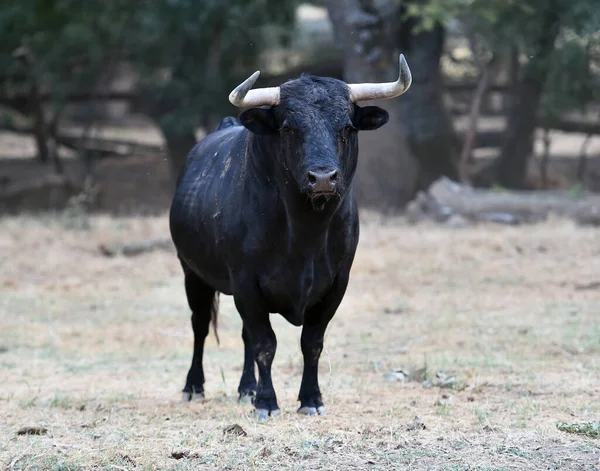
point(259, 120)
point(368, 118)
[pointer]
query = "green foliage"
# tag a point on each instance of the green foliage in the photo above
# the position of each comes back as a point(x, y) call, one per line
point(70, 42)
point(590, 429)
point(483, 15)
point(572, 81)
point(568, 71)
point(208, 49)
point(187, 54)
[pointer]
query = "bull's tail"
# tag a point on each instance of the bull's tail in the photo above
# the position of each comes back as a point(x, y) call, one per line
point(214, 316)
point(228, 122)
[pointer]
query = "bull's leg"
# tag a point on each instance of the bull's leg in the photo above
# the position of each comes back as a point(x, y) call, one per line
point(247, 387)
point(263, 342)
point(264, 345)
point(201, 301)
point(315, 323)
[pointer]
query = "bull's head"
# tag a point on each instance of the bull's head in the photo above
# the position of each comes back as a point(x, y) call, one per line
point(314, 121)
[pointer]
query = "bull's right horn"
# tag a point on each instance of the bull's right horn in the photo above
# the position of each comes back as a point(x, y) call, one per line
point(382, 91)
point(243, 97)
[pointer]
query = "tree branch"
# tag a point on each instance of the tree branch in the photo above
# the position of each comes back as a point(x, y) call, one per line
point(467, 147)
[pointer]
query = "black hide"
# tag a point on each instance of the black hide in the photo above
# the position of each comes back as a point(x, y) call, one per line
point(266, 212)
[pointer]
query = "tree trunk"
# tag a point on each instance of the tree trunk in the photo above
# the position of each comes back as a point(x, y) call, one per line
point(179, 137)
point(387, 172)
point(520, 132)
point(423, 138)
point(179, 145)
point(35, 104)
point(512, 164)
point(429, 129)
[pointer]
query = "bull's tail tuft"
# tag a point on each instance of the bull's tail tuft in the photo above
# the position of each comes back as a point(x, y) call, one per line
point(214, 316)
point(228, 122)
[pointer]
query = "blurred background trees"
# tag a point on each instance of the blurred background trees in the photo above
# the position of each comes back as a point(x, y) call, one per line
point(189, 55)
point(185, 57)
point(490, 79)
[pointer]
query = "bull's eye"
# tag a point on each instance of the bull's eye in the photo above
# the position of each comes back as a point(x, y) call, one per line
point(345, 133)
point(286, 128)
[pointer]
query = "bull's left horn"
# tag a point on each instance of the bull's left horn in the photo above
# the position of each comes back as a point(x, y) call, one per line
point(243, 97)
point(382, 91)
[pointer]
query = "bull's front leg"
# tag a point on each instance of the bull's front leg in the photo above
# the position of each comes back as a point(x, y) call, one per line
point(247, 387)
point(264, 344)
point(315, 323)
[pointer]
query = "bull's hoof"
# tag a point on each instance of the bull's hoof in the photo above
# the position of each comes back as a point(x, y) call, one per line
point(246, 397)
point(264, 414)
point(306, 410)
point(311, 404)
point(192, 396)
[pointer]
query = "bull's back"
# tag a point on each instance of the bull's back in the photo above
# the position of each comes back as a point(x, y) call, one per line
point(208, 184)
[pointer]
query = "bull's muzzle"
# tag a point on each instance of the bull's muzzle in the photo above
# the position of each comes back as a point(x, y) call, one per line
point(322, 182)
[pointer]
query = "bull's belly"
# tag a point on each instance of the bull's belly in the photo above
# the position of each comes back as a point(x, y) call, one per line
point(215, 278)
point(294, 314)
point(205, 265)
point(292, 300)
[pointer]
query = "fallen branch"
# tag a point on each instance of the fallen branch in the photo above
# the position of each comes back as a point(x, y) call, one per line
point(572, 125)
point(109, 147)
point(446, 199)
point(32, 431)
point(586, 286)
point(21, 101)
point(135, 248)
point(103, 147)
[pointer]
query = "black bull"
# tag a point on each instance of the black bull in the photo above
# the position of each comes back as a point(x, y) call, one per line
point(265, 211)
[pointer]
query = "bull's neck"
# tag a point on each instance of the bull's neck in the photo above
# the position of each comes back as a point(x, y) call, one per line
point(260, 157)
point(285, 198)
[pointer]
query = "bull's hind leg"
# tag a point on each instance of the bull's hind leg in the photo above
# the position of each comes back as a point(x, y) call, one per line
point(247, 387)
point(315, 323)
point(201, 299)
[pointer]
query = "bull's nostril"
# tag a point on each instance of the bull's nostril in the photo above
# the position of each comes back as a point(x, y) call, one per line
point(322, 182)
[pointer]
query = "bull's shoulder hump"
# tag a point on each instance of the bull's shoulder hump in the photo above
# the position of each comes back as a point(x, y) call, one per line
point(223, 135)
point(216, 140)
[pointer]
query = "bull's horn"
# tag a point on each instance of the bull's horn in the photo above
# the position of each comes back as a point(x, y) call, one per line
point(243, 97)
point(382, 91)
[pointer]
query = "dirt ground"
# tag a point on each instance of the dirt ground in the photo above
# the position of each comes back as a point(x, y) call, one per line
point(497, 327)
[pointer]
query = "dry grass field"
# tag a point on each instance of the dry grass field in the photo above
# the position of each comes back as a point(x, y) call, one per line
point(497, 327)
